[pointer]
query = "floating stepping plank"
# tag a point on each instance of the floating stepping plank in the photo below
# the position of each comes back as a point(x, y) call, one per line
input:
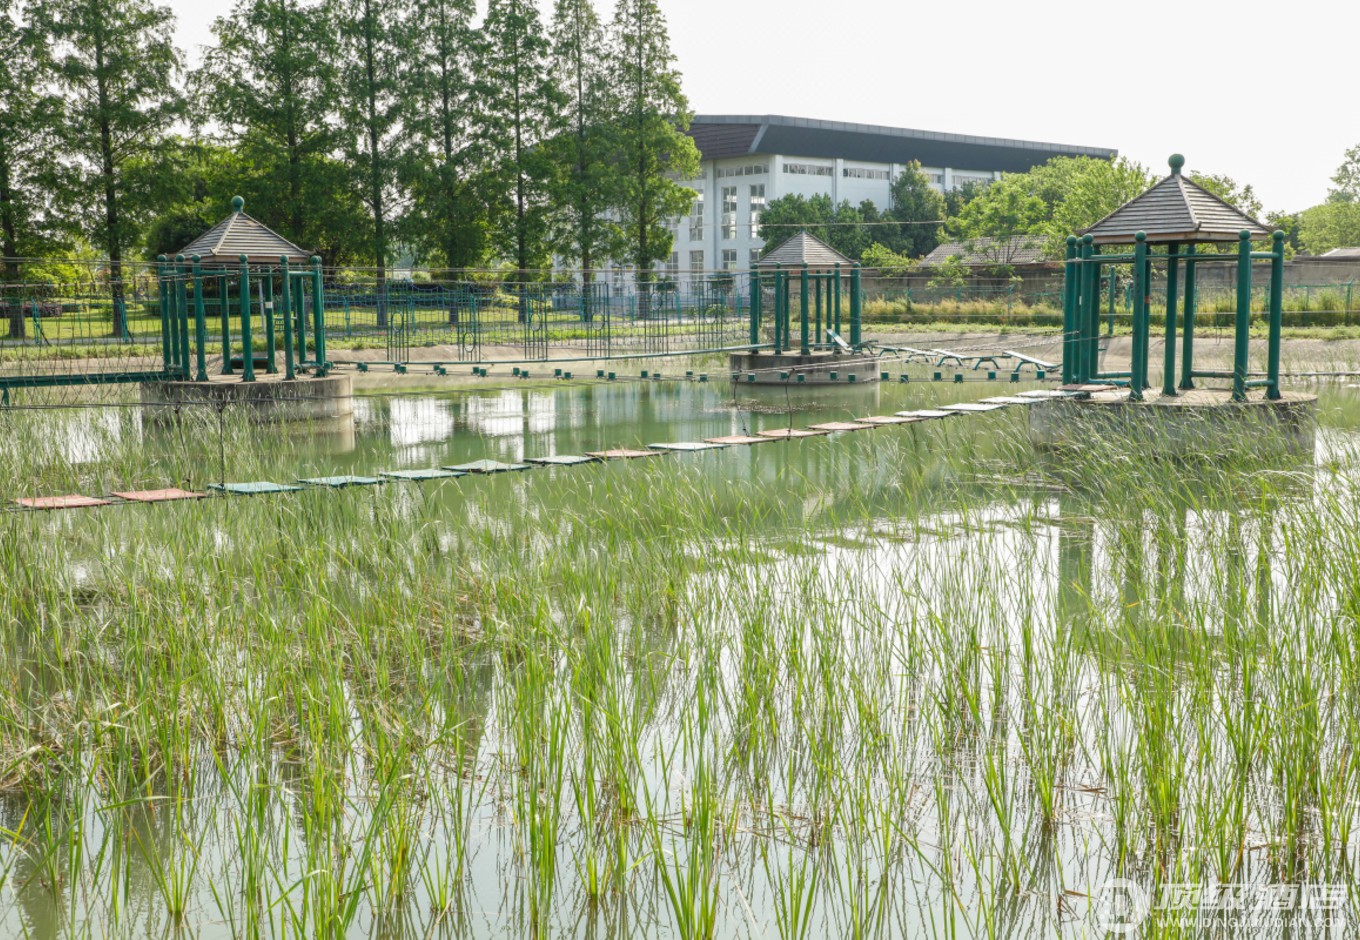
point(925, 413)
point(623, 453)
point(341, 481)
point(971, 406)
point(738, 439)
point(688, 446)
point(881, 420)
point(258, 488)
point(786, 434)
point(1042, 393)
point(841, 426)
point(422, 475)
point(1008, 400)
point(158, 496)
point(487, 466)
point(564, 460)
point(1090, 387)
point(73, 501)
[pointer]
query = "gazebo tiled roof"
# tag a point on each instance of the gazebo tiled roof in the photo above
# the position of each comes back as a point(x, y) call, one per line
point(804, 249)
point(1175, 210)
point(239, 234)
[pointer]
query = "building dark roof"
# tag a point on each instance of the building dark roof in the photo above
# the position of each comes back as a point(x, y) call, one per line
point(238, 234)
point(803, 249)
point(1175, 210)
point(980, 252)
point(720, 136)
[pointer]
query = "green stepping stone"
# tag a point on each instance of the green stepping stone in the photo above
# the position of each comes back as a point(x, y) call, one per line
point(687, 446)
point(560, 461)
point(253, 489)
point(420, 476)
point(487, 466)
point(341, 481)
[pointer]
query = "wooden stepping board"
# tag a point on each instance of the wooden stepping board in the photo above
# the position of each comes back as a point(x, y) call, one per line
point(738, 439)
point(841, 426)
point(487, 466)
point(687, 446)
point(158, 496)
point(1009, 400)
point(258, 488)
point(884, 420)
point(72, 501)
point(422, 475)
point(623, 453)
point(563, 460)
point(785, 434)
point(971, 407)
point(341, 481)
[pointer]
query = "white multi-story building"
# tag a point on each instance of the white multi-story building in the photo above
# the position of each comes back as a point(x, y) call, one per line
point(749, 161)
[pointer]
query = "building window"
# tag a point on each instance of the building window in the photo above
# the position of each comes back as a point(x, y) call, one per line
point(936, 179)
point(696, 262)
point(810, 169)
point(863, 173)
point(729, 259)
point(750, 169)
point(755, 256)
point(757, 207)
point(673, 266)
point(729, 213)
point(979, 179)
point(696, 220)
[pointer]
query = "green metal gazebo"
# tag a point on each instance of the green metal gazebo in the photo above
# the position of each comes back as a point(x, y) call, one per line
point(818, 268)
point(1178, 217)
point(238, 249)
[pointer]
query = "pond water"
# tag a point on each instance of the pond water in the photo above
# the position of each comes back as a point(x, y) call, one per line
point(912, 681)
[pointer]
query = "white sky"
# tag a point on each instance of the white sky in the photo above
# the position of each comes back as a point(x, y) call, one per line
point(1266, 89)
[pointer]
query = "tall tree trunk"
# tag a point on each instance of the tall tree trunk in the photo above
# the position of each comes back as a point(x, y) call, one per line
point(107, 170)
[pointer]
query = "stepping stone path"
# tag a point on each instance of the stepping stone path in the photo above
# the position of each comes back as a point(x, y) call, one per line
point(623, 453)
point(564, 460)
point(687, 446)
point(975, 407)
point(253, 489)
point(339, 482)
point(487, 466)
point(420, 476)
point(738, 439)
point(786, 434)
point(884, 420)
point(925, 413)
point(841, 426)
point(73, 501)
point(159, 496)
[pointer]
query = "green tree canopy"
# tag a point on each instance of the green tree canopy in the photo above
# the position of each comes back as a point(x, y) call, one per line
point(1330, 225)
point(1346, 180)
point(914, 201)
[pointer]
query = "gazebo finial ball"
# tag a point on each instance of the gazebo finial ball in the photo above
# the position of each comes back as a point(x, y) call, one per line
point(1071, 239)
point(1277, 235)
point(1088, 238)
point(1140, 236)
point(1176, 162)
point(196, 259)
point(237, 204)
point(1244, 236)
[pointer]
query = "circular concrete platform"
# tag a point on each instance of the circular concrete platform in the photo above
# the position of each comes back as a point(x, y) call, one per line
point(270, 398)
point(1197, 421)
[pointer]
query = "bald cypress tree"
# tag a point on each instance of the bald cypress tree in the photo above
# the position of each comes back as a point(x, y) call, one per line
point(521, 109)
point(652, 152)
point(116, 67)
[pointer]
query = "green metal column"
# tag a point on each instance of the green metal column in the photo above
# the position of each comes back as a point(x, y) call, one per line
point(1138, 356)
point(181, 288)
point(164, 287)
point(1093, 313)
point(200, 324)
point(1188, 323)
point(1069, 323)
point(300, 329)
point(817, 335)
point(755, 307)
point(224, 307)
point(1276, 315)
point(1173, 270)
point(319, 312)
point(1242, 344)
point(1083, 313)
point(247, 345)
point(270, 324)
point(835, 290)
point(804, 326)
point(856, 307)
point(289, 365)
point(778, 307)
point(1109, 322)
